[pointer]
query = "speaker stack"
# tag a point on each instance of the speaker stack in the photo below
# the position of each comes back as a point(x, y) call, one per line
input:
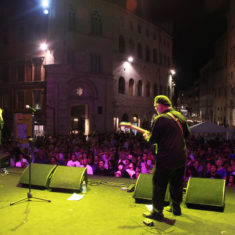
point(55, 177)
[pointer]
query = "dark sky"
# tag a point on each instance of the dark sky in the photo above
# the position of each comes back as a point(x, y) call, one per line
point(197, 24)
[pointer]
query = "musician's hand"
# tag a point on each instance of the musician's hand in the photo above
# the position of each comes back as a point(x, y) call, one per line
point(146, 134)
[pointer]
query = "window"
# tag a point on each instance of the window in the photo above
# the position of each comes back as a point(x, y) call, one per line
point(139, 29)
point(140, 88)
point(121, 85)
point(131, 46)
point(122, 44)
point(147, 54)
point(160, 58)
point(37, 100)
point(99, 109)
point(96, 63)
point(154, 56)
point(70, 57)
point(37, 62)
point(131, 87)
point(71, 19)
point(20, 100)
point(148, 90)
point(155, 90)
point(168, 62)
point(139, 50)
point(96, 23)
point(20, 71)
point(4, 73)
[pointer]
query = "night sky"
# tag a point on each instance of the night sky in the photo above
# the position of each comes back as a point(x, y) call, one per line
point(197, 24)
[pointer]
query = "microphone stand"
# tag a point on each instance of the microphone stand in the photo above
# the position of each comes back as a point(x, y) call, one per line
point(29, 194)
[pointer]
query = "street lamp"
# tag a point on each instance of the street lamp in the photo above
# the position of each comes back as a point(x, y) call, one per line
point(130, 59)
point(43, 46)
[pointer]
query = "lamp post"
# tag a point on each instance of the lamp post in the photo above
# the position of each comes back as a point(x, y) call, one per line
point(171, 82)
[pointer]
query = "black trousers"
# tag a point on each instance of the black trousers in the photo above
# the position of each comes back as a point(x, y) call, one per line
point(163, 176)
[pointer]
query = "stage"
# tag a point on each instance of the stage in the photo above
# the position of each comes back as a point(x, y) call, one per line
point(105, 209)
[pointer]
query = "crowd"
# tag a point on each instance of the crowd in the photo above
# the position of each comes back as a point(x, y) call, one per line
point(123, 155)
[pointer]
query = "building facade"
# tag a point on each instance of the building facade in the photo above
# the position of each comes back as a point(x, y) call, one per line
point(98, 65)
point(217, 78)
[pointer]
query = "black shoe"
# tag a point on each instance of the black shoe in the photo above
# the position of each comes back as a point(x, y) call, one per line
point(177, 211)
point(154, 215)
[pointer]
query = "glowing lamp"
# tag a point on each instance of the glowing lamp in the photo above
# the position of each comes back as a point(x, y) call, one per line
point(43, 46)
point(45, 3)
point(172, 71)
point(46, 12)
point(130, 59)
point(30, 108)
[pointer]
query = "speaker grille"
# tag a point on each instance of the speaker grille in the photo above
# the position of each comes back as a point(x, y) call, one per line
point(40, 174)
point(65, 177)
point(205, 192)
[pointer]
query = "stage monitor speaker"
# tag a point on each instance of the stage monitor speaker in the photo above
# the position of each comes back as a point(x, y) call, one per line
point(205, 193)
point(71, 178)
point(40, 174)
point(4, 160)
point(144, 189)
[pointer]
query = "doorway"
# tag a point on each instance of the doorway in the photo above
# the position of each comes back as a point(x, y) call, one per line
point(78, 117)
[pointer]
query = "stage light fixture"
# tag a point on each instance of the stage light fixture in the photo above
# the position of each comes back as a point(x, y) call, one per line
point(30, 108)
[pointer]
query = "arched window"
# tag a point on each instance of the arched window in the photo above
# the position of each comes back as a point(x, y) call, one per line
point(96, 23)
point(122, 44)
point(125, 118)
point(155, 90)
point(148, 89)
point(131, 87)
point(139, 51)
point(121, 85)
point(140, 88)
point(147, 54)
point(154, 56)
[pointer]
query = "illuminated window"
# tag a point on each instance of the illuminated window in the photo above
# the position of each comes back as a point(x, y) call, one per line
point(37, 63)
point(37, 99)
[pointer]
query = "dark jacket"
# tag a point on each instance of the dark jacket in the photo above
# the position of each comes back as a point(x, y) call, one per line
point(169, 140)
